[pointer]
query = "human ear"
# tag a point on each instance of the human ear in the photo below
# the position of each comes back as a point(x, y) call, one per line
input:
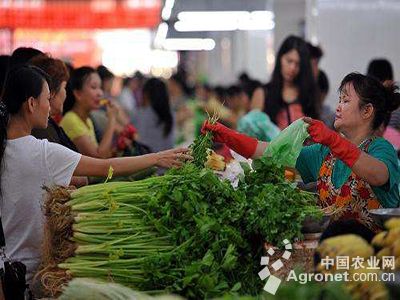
point(77, 94)
point(368, 111)
point(31, 104)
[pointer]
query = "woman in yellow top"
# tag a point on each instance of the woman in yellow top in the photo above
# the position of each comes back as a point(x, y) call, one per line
point(87, 93)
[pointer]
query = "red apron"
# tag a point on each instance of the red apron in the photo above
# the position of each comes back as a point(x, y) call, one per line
point(354, 198)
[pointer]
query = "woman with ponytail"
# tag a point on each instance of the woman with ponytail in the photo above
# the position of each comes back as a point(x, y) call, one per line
point(354, 169)
point(28, 164)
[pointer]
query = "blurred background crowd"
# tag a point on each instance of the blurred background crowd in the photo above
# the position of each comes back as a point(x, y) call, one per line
point(259, 65)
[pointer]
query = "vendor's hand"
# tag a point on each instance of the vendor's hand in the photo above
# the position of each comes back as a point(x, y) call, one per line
point(172, 158)
point(218, 130)
point(238, 142)
point(339, 146)
point(319, 132)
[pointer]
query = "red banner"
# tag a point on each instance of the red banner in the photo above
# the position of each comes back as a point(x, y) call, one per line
point(91, 14)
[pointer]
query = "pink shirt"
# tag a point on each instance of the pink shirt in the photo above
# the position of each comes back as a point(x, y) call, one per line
point(393, 136)
point(293, 112)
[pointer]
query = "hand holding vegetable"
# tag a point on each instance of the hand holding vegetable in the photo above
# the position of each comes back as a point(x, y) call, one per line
point(340, 147)
point(172, 158)
point(238, 142)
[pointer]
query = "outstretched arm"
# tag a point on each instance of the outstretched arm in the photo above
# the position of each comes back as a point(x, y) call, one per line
point(242, 144)
point(89, 166)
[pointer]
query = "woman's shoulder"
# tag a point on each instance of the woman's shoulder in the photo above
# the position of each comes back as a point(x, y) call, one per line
point(383, 149)
point(147, 114)
point(380, 142)
point(69, 117)
point(70, 114)
point(27, 142)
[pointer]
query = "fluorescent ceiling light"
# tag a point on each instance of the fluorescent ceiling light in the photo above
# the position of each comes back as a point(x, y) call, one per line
point(205, 15)
point(161, 34)
point(262, 14)
point(206, 26)
point(167, 10)
point(224, 20)
point(189, 44)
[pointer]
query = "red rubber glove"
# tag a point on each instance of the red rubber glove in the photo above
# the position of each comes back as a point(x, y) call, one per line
point(340, 147)
point(238, 142)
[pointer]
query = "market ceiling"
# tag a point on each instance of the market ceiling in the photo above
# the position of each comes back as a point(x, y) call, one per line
point(79, 14)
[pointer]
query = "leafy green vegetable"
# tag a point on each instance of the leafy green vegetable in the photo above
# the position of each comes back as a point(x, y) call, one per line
point(186, 232)
point(283, 206)
point(202, 144)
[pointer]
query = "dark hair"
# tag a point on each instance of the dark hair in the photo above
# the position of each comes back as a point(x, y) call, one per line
point(304, 81)
point(56, 69)
point(221, 93)
point(244, 77)
point(4, 65)
point(250, 86)
point(23, 55)
point(22, 83)
point(104, 73)
point(180, 80)
point(139, 76)
point(234, 90)
point(315, 51)
point(380, 69)
point(383, 99)
point(323, 82)
point(76, 82)
point(157, 93)
point(125, 81)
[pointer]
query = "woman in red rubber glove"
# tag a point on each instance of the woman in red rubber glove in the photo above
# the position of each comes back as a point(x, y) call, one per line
point(354, 169)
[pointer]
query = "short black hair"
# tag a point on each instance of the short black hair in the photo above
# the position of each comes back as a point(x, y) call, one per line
point(315, 51)
point(234, 90)
point(244, 77)
point(251, 86)
point(323, 82)
point(23, 55)
point(380, 69)
point(138, 75)
point(104, 72)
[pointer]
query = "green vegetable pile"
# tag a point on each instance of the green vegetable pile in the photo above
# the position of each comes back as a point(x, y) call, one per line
point(186, 232)
point(276, 208)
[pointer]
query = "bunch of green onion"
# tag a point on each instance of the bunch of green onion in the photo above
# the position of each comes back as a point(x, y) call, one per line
point(111, 237)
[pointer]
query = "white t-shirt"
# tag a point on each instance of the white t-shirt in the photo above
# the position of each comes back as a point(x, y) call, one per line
point(28, 165)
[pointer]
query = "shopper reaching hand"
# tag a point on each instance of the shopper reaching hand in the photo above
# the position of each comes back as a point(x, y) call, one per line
point(28, 164)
